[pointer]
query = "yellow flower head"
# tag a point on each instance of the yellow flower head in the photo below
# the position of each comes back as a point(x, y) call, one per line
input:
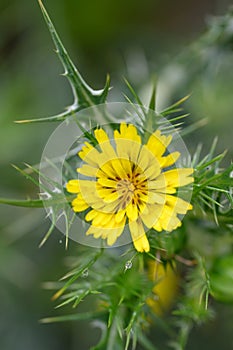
point(126, 182)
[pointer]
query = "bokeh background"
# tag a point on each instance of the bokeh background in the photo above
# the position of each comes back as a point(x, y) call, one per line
point(139, 40)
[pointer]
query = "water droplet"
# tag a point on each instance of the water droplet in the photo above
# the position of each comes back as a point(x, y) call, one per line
point(128, 265)
point(85, 273)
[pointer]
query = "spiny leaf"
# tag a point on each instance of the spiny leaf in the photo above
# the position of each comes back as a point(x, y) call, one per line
point(145, 342)
point(193, 127)
point(170, 120)
point(76, 297)
point(28, 203)
point(73, 317)
point(76, 275)
point(133, 92)
point(55, 118)
point(211, 161)
point(171, 108)
point(153, 98)
point(136, 109)
point(87, 134)
point(172, 111)
point(48, 180)
point(50, 230)
point(28, 177)
point(84, 95)
point(36, 203)
point(52, 199)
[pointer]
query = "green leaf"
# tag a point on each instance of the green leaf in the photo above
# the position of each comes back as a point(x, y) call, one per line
point(36, 203)
point(221, 279)
point(133, 92)
point(170, 120)
point(84, 95)
point(174, 106)
point(28, 177)
point(74, 317)
point(50, 230)
point(153, 98)
point(28, 203)
point(54, 184)
point(76, 274)
point(145, 342)
point(193, 127)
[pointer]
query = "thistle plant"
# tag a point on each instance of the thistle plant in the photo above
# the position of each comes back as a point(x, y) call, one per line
point(122, 189)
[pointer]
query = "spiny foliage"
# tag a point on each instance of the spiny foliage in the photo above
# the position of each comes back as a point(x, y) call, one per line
point(120, 282)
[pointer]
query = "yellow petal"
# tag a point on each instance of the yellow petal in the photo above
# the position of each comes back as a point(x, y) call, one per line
point(180, 206)
point(127, 149)
point(168, 220)
point(119, 169)
point(88, 190)
point(169, 160)
point(73, 186)
point(154, 197)
point(101, 136)
point(132, 211)
point(140, 240)
point(158, 184)
point(157, 143)
point(111, 197)
point(113, 234)
point(145, 158)
point(100, 205)
point(157, 226)
point(102, 219)
point(91, 215)
point(107, 169)
point(79, 204)
point(127, 167)
point(168, 189)
point(143, 208)
point(152, 171)
point(128, 132)
point(178, 177)
point(104, 192)
point(104, 143)
point(87, 170)
point(150, 217)
point(119, 216)
point(172, 223)
point(89, 154)
point(109, 233)
point(107, 182)
point(96, 231)
point(128, 142)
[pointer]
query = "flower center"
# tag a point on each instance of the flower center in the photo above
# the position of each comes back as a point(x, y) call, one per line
point(125, 189)
point(130, 189)
point(125, 186)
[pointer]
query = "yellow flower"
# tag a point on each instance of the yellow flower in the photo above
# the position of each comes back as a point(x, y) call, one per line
point(166, 287)
point(126, 182)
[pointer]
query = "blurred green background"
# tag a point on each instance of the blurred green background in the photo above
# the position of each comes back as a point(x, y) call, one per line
point(138, 40)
